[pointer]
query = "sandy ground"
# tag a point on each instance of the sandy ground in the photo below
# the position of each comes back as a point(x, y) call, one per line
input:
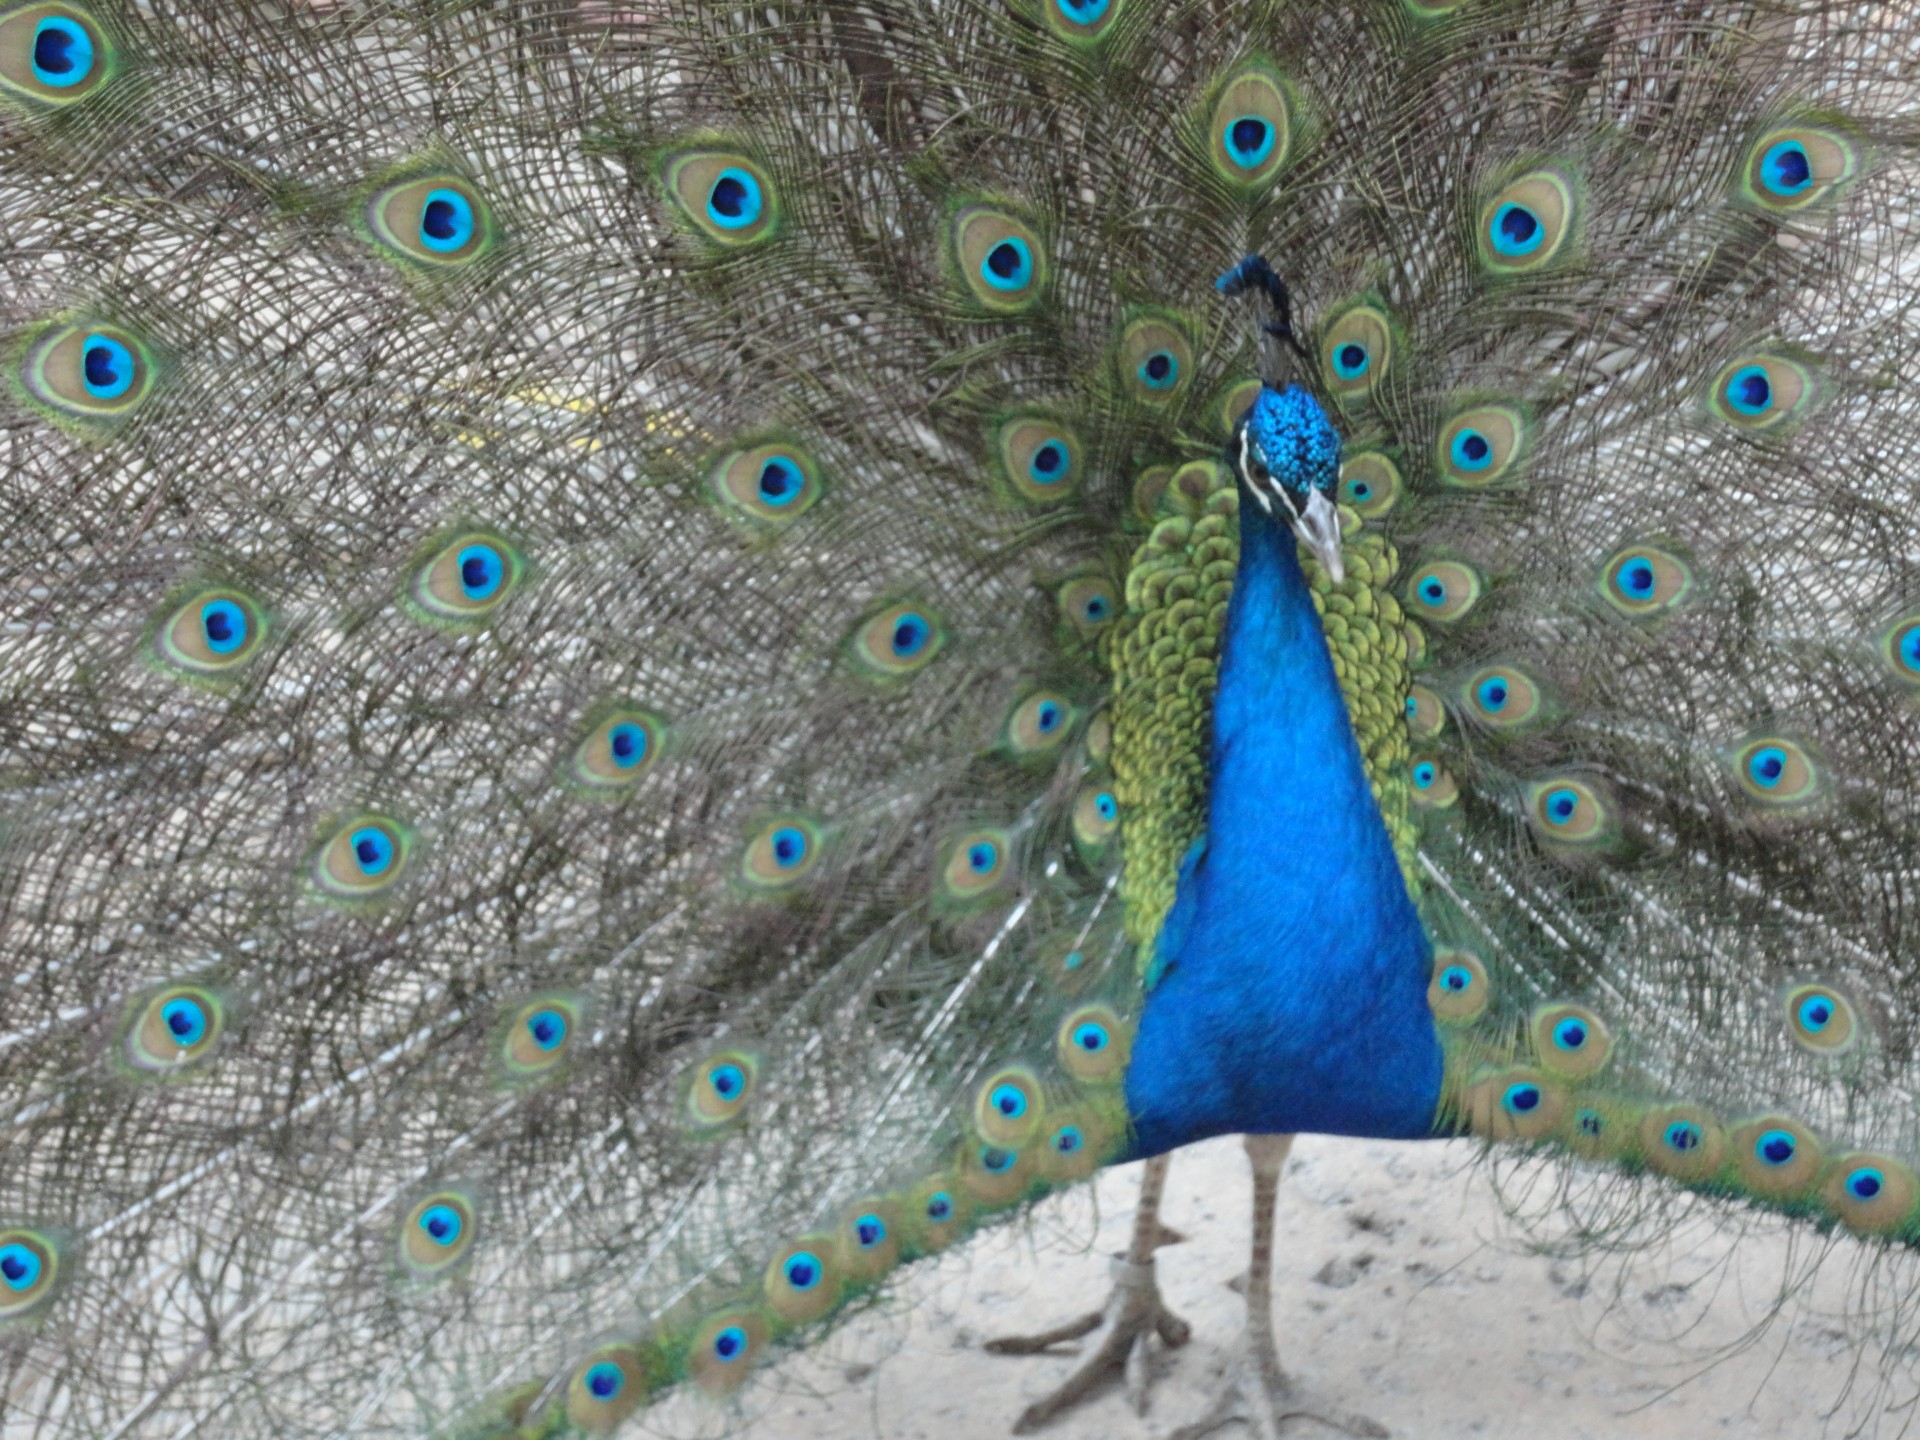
point(1401, 1289)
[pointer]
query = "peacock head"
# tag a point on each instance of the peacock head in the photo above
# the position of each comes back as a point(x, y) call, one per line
point(1287, 454)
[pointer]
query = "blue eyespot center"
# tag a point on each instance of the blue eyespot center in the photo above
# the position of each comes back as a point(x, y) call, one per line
point(1047, 719)
point(1683, 1135)
point(1776, 1147)
point(730, 1344)
point(1083, 12)
point(604, 1381)
point(939, 1206)
point(62, 52)
point(1910, 647)
point(1865, 1183)
point(996, 1161)
point(1522, 1098)
point(1785, 169)
point(106, 367)
point(1068, 1140)
point(627, 743)
point(19, 1267)
point(372, 850)
point(1637, 578)
point(1096, 608)
point(780, 480)
point(1009, 1100)
point(547, 1027)
point(1767, 765)
point(803, 1270)
point(727, 1081)
point(1350, 360)
point(1433, 591)
point(442, 1224)
point(1561, 805)
point(1570, 1034)
point(1749, 391)
point(1049, 463)
point(1493, 692)
point(446, 221)
point(1590, 1122)
point(1159, 370)
point(1009, 265)
point(1516, 230)
point(789, 846)
point(1471, 450)
point(1816, 1013)
point(1424, 774)
point(1456, 978)
point(1249, 141)
point(223, 624)
point(869, 1230)
point(982, 856)
point(186, 1021)
point(734, 202)
point(910, 635)
point(1360, 490)
point(1090, 1036)
point(481, 571)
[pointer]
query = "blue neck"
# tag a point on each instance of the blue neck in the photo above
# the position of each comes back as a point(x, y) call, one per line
point(1292, 970)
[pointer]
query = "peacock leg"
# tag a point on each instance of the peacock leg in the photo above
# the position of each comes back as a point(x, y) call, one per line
point(1259, 1393)
point(1133, 1314)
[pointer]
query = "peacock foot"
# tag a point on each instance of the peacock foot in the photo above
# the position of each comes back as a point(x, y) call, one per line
point(1261, 1396)
point(1134, 1315)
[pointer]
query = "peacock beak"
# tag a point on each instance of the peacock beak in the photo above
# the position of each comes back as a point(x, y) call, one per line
point(1318, 527)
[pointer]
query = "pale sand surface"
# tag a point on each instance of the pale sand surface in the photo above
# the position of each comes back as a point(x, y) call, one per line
point(1400, 1289)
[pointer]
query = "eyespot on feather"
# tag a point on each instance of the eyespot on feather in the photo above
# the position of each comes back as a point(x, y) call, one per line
point(1434, 788)
point(1642, 581)
point(1872, 1194)
point(437, 1234)
point(1762, 392)
point(84, 374)
point(176, 1028)
point(53, 55)
point(933, 1214)
point(1250, 127)
point(1479, 446)
point(1081, 22)
point(1000, 258)
point(1518, 1103)
point(1570, 811)
point(1426, 716)
point(467, 579)
point(607, 1387)
point(211, 634)
point(1370, 482)
point(976, 863)
point(725, 1349)
point(1096, 814)
point(1821, 1019)
point(1900, 646)
point(870, 1239)
point(1040, 458)
point(1149, 487)
point(1459, 990)
point(29, 1271)
point(725, 195)
point(1527, 224)
point(1039, 724)
point(897, 640)
point(1088, 604)
point(770, 484)
point(1570, 1040)
point(719, 1088)
point(1501, 697)
point(1683, 1142)
point(1777, 1156)
point(803, 1281)
point(1776, 772)
point(1094, 1044)
point(620, 749)
point(1443, 591)
point(1356, 352)
point(1073, 1144)
point(1008, 1106)
point(436, 220)
point(1796, 166)
point(538, 1036)
point(362, 858)
point(1154, 359)
point(995, 1175)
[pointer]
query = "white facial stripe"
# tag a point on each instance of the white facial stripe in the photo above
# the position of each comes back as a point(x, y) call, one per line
point(1246, 469)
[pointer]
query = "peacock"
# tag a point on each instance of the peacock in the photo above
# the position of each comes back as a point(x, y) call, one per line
point(661, 654)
